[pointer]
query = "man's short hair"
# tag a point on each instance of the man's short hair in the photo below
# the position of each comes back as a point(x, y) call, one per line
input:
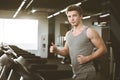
point(74, 8)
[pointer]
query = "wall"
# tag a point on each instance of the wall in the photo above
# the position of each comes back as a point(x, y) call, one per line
point(58, 20)
point(115, 39)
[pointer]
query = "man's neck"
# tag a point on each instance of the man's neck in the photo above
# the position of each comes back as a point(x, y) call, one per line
point(78, 27)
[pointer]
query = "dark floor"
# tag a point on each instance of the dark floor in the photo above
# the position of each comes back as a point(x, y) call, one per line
point(57, 61)
point(61, 66)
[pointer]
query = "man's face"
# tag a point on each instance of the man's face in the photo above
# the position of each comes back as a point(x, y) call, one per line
point(74, 18)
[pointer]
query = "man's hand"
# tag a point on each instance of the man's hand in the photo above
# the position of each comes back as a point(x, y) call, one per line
point(53, 48)
point(82, 59)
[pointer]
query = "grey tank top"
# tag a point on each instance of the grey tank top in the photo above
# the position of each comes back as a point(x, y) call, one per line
point(79, 44)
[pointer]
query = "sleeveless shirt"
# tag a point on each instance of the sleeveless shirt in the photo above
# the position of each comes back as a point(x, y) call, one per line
point(79, 45)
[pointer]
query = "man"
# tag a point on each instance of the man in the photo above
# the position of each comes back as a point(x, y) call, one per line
point(80, 44)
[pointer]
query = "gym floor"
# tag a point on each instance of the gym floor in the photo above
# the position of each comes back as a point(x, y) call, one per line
point(61, 66)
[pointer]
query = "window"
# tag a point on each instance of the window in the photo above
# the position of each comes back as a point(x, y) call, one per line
point(20, 32)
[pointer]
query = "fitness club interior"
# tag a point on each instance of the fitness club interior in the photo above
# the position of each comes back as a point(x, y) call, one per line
point(27, 28)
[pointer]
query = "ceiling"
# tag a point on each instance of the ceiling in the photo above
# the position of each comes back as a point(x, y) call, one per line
point(90, 6)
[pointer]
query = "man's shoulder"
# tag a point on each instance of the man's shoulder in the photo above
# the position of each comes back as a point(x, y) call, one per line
point(67, 32)
point(91, 32)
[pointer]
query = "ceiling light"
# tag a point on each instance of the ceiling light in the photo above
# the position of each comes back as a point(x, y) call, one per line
point(78, 4)
point(23, 2)
point(56, 13)
point(50, 16)
point(104, 15)
point(33, 11)
point(29, 4)
point(63, 10)
point(86, 17)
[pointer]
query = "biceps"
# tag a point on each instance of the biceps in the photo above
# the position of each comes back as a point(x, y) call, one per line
point(97, 42)
point(66, 49)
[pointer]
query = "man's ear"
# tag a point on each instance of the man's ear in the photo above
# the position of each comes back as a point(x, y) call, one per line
point(81, 16)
